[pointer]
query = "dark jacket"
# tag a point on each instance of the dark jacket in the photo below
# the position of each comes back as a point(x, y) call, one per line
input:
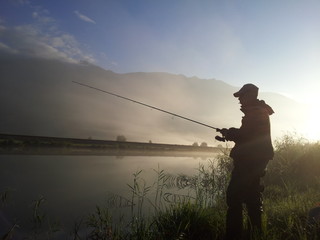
point(253, 139)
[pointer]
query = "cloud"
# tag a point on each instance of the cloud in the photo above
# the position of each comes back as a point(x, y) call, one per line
point(42, 38)
point(5, 48)
point(27, 40)
point(84, 17)
point(2, 25)
point(39, 13)
point(41, 16)
point(30, 41)
point(42, 41)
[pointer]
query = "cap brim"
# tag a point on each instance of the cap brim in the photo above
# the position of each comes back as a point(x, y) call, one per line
point(237, 94)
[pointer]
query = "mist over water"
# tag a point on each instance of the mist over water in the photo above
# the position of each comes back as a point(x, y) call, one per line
point(74, 185)
point(37, 97)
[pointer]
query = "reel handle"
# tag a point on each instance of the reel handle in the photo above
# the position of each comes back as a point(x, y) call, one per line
point(220, 139)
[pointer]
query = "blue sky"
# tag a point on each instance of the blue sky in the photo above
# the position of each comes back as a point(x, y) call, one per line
point(274, 44)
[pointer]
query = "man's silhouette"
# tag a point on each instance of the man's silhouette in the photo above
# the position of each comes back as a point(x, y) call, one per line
point(251, 154)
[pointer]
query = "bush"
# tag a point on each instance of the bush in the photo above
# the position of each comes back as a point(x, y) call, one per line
point(121, 138)
point(203, 144)
point(296, 162)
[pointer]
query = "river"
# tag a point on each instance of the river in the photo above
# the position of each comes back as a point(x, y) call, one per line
point(73, 186)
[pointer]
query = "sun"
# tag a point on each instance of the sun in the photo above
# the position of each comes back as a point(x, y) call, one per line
point(312, 127)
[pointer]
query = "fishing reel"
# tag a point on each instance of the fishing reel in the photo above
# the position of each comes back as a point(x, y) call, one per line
point(219, 138)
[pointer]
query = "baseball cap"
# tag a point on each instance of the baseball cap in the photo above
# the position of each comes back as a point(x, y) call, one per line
point(247, 88)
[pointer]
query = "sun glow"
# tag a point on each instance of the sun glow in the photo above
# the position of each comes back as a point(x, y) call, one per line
point(312, 127)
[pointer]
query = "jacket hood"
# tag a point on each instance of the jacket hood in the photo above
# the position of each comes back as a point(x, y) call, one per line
point(257, 104)
point(266, 106)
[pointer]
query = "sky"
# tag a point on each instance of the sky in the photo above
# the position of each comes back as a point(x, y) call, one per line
point(273, 44)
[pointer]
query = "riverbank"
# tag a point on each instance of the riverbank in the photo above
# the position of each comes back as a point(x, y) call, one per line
point(41, 145)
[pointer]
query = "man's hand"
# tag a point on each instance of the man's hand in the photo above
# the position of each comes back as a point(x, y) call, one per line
point(230, 134)
point(224, 131)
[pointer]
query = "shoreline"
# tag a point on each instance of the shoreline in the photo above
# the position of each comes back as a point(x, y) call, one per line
point(40, 145)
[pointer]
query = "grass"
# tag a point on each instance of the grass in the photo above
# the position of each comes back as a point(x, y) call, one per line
point(154, 211)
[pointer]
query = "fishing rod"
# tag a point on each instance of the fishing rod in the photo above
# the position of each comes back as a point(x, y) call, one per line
point(153, 107)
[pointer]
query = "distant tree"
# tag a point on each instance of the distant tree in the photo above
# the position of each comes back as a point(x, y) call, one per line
point(220, 146)
point(121, 138)
point(150, 141)
point(195, 144)
point(203, 144)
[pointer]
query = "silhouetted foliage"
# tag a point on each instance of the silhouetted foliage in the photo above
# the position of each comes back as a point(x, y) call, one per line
point(203, 144)
point(195, 144)
point(121, 138)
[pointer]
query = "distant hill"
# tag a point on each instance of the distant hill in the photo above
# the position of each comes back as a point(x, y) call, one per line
point(37, 97)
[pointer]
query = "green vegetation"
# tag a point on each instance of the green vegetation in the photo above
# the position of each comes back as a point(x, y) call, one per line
point(155, 211)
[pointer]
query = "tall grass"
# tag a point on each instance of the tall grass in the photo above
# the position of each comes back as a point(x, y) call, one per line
point(156, 211)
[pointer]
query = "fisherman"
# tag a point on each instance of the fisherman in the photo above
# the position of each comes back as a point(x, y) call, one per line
point(251, 154)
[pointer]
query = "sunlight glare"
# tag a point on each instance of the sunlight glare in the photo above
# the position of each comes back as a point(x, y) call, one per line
point(312, 127)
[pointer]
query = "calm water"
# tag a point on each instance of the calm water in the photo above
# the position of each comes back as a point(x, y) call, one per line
point(74, 185)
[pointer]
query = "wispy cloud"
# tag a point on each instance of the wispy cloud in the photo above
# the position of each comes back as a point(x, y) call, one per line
point(6, 48)
point(27, 40)
point(33, 41)
point(84, 17)
point(41, 39)
point(42, 16)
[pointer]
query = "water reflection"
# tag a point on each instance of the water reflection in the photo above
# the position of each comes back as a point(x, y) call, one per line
point(74, 185)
